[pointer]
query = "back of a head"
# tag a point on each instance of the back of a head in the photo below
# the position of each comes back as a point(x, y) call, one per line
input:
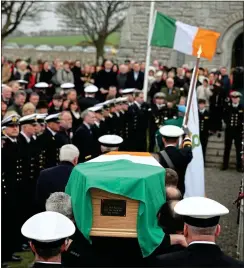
point(171, 177)
point(60, 202)
point(68, 153)
point(173, 193)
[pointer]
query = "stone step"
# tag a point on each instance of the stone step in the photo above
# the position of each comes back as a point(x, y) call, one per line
point(216, 139)
point(218, 165)
point(219, 159)
point(219, 152)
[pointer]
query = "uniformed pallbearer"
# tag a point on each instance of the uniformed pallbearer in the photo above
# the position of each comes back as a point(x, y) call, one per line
point(233, 118)
point(48, 233)
point(201, 216)
point(173, 157)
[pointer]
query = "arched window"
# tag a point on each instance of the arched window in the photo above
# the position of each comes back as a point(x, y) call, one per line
point(237, 51)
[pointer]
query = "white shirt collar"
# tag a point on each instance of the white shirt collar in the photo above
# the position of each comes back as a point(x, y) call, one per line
point(202, 111)
point(48, 262)
point(97, 123)
point(170, 145)
point(138, 104)
point(117, 113)
point(26, 137)
point(235, 105)
point(52, 132)
point(12, 139)
point(86, 125)
point(34, 137)
point(202, 242)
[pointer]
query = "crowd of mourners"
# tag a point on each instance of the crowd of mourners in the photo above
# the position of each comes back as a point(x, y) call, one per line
point(46, 106)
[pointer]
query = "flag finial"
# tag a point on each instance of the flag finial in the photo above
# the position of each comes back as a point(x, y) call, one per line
point(199, 52)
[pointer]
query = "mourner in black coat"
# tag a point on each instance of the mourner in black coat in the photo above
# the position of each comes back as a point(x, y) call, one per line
point(52, 180)
point(203, 125)
point(85, 139)
point(135, 80)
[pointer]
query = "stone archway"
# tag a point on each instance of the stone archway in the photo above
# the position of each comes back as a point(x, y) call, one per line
point(237, 51)
point(226, 43)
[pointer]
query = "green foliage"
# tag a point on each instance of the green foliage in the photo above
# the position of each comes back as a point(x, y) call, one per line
point(74, 40)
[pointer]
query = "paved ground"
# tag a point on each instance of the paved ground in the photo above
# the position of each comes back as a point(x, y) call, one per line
point(223, 186)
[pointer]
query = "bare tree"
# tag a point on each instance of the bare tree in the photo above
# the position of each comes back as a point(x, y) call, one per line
point(14, 12)
point(95, 20)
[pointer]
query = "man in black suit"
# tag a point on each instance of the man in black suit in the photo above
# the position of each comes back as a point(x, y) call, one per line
point(85, 138)
point(135, 78)
point(173, 157)
point(54, 179)
point(65, 134)
point(201, 216)
point(105, 79)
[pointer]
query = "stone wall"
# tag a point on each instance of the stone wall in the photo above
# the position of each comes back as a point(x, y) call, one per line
point(13, 54)
point(224, 17)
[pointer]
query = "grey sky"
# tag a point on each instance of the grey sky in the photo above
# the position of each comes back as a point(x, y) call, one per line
point(48, 22)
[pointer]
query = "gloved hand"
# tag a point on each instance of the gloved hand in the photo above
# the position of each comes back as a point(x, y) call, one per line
point(186, 130)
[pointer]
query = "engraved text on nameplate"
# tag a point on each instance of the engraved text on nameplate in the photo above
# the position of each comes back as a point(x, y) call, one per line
point(113, 207)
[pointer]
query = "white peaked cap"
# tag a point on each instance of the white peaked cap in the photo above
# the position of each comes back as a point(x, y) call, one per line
point(27, 118)
point(110, 140)
point(95, 108)
point(171, 131)
point(128, 90)
point(53, 117)
point(48, 227)
point(41, 116)
point(91, 89)
point(67, 85)
point(22, 81)
point(200, 208)
point(41, 85)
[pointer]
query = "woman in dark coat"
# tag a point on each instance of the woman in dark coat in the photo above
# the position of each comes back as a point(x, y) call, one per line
point(76, 116)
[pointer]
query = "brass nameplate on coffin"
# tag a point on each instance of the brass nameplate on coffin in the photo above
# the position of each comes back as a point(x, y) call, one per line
point(113, 207)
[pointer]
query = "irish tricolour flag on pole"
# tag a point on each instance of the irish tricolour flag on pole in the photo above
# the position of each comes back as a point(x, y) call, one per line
point(168, 32)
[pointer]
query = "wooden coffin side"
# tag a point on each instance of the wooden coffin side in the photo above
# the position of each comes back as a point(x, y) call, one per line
point(113, 226)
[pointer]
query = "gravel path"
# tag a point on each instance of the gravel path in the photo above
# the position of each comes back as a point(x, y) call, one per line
point(223, 186)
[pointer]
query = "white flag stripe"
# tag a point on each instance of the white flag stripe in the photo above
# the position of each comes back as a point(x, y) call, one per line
point(194, 178)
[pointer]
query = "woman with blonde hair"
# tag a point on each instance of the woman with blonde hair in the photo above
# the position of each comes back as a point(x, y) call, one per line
point(28, 109)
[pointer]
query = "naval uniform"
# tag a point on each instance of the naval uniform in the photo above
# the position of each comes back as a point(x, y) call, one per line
point(233, 118)
point(11, 179)
point(124, 130)
point(156, 117)
point(30, 168)
point(50, 145)
point(198, 254)
point(204, 130)
point(138, 124)
point(180, 158)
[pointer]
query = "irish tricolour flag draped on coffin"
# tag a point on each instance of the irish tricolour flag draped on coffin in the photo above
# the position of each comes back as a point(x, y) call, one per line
point(128, 177)
point(168, 32)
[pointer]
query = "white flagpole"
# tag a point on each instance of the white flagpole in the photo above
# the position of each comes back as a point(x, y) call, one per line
point(150, 29)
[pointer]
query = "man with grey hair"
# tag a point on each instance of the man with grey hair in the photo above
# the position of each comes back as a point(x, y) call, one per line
point(171, 92)
point(7, 95)
point(85, 138)
point(78, 251)
point(54, 179)
point(19, 101)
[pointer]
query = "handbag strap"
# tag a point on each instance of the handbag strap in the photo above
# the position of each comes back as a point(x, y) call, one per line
point(167, 159)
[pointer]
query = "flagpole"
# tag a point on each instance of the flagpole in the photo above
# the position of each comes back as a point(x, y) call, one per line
point(150, 29)
point(192, 87)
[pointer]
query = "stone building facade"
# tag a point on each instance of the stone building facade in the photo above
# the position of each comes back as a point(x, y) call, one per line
point(223, 17)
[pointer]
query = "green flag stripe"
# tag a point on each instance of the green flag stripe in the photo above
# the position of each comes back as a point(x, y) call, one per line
point(163, 31)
